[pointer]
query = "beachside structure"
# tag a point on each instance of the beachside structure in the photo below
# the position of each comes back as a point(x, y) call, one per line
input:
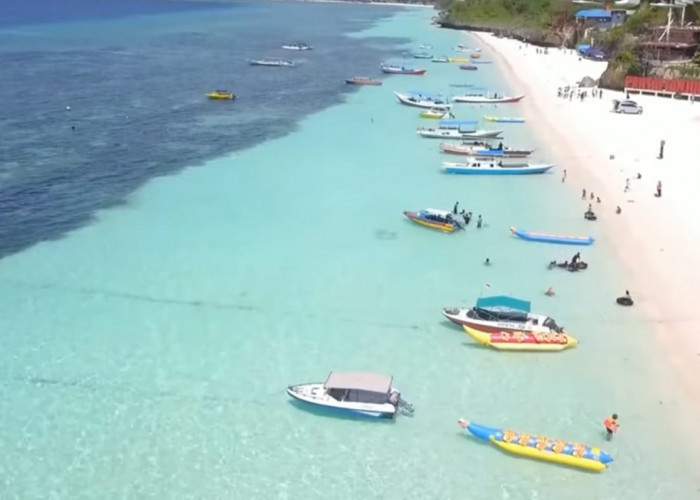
point(683, 89)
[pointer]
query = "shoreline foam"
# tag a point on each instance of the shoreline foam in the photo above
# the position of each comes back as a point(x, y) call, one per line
point(658, 248)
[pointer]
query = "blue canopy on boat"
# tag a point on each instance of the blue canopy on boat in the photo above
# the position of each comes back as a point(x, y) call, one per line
point(458, 123)
point(503, 302)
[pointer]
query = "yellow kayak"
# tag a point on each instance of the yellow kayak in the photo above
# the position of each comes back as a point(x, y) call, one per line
point(435, 114)
point(523, 341)
point(458, 60)
point(221, 94)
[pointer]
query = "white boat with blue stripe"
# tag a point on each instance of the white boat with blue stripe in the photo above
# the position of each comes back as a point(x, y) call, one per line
point(458, 129)
point(492, 167)
point(424, 100)
point(362, 394)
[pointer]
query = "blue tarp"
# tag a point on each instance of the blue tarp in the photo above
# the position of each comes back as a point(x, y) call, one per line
point(503, 302)
point(594, 14)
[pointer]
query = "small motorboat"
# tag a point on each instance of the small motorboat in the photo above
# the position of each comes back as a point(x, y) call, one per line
point(461, 85)
point(425, 47)
point(434, 219)
point(475, 55)
point(552, 238)
point(362, 394)
point(579, 266)
point(460, 60)
point(477, 167)
point(522, 341)
point(445, 133)
point(221, 95)
point(504, 119)
point(297, 46)
point(468, 67)
point(440, 60)
point(422, 55)
point(401, 70)
point(501, 313)
point(363, 80)
point(423, 100)
point(272, 62)
point(436, 113)
point(541, 447)
point(478, 98)
point(485, 151)
point(482, 62)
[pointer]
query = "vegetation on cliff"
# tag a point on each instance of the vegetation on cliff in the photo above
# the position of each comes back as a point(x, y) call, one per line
point(533, 14)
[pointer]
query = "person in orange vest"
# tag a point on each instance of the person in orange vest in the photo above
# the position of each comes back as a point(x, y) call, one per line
point(611, 425)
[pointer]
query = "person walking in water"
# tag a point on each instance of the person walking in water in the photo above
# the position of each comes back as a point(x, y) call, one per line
point(662, 145)
point(455, 208)
point(487, 262)
point(479, 222)
point(658, 189)
point(611, 426)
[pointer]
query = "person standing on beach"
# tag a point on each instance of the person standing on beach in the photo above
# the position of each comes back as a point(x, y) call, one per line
point(658, 189)
point(583, 194)
point(611, 425)
point(661, 149)
point(627, 185)
point(563, 178)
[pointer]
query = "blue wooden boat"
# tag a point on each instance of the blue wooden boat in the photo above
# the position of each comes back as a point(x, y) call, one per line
point(552, 238)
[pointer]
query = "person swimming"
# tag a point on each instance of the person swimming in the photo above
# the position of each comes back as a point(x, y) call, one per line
point(487, 262)
point(479, 222)
point(549, 292)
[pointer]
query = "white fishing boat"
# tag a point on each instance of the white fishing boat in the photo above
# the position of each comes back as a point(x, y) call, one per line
point(493, 167)
point(271, 62)
point(458, 129)
point(297, 46)
point(485, 151)
point(484, 97)
point(423, 100)
point(440, 60)
point(365, 394)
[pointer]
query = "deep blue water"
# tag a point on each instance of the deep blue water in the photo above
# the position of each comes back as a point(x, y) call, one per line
point(131, 77)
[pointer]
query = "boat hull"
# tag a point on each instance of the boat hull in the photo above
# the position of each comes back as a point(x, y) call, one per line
point(221, 97)
point(460, 317)
point(541, 448)
point(522, 341)
point(458, 135)
point(495, 170)
point(552, 238)
point(358, 81)
point(414, 72)
point(485, 152)
point(422, 104)
point(468, 67)
point(487, 100)
point(356, 409)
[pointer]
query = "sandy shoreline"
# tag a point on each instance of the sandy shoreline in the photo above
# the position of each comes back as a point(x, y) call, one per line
point(656, 238)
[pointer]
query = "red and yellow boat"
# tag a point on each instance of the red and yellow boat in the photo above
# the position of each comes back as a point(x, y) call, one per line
point(523, 341)
point(434, 219)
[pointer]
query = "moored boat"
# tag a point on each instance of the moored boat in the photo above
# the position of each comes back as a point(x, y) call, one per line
point(401, 70)
point(501, 313)
point(486, 98)
point(221, 95)
point(363, 394)
point(485, 151)
point(468, 67)
point(461, 60)
point(541, 448)
point(552, 238)
point(297, 46)
point(440, 60)
point(363, 80)
point(492, 167)
point(422, 55)
point(461, 85)
point(436, 113)
point(482, 62)
point(423, 100)
point(522, 341)
point(271, 62)
point(504, 119)
point(458, 129)
point(433, 218)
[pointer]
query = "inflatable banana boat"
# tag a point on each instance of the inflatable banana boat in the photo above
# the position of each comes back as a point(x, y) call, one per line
point(541, 448)
point(523, 341)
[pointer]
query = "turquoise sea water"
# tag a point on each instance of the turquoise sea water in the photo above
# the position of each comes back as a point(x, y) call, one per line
point(146, 355)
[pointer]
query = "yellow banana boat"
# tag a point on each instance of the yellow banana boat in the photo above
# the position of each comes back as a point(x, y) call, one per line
point(221, 94)
point(458, 60)
point(523, 341)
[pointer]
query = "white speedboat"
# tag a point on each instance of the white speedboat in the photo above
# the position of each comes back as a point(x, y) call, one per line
point(423, 100)
point(271, 62)
point(493, 167)
point(297, 46)
point(365, 394)
point(497, 314)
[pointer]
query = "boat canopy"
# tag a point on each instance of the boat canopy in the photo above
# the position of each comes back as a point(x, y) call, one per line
point(503, 302)
point(369, 382)
point(458, 124)
point(428, 95)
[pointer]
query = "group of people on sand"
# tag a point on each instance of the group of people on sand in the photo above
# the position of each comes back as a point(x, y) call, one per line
point(569, 92)
point(467, 216)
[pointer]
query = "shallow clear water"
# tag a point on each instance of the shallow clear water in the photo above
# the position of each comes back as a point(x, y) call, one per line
point(147, 353)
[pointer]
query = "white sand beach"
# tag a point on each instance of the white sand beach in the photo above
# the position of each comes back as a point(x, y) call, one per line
point(657, 238)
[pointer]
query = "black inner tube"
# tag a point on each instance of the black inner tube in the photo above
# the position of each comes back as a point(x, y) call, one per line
point(625, 301)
